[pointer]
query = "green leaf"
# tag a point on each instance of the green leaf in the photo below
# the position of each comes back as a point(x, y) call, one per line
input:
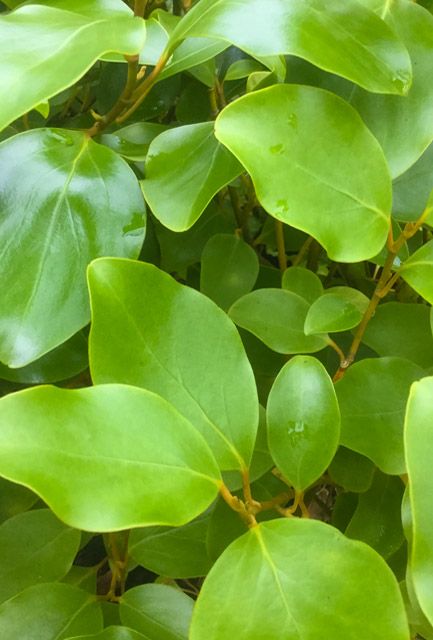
point(113, 633)
point(34, 547)
point(303, 421)
point(314, 165)
point(362, 48)
point(276, 317)
point(174, 552)
point(419, 448)
point(50, 612)
point(200, 366)
point(14, 499)
point(229, 269)
point(114, 455)
point(132, 142)
point(303, 282)
point(372, 398)
point(351, 470)
point(404, 126)
point(64, 201)
point(185, 168)
point(402, 330)
point(377, 518)
point(242, 69)
point(158, 611)
point(65, 361)
point(299, 564)
point(224, 527)
point(413, 188)
point(45, 49)
point(418, 271)
point(338, 309)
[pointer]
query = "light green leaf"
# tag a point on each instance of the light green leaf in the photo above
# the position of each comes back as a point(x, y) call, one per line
point(132, 142)
point(277, 317)
point(229, 269)
point(114, 454)
point(200, 366)
point(338, 309)
point(174, 552)
point(419, 450)
point(372, 398)
point(64, 200)
point(50, 612)
point(303, 282)
point(45, 49)
point(242, 69)
point(185, 168)
point(307, 577)
point(361, 48)
point(65, 361)
point(351, 470)
point(402, 330)
point(34, 547)
point(303, 421)
point(113, 633)
point(43, 108)
point(377, 518)
point(418, 271)
point(314, 165)
point(404, 126)
point(157, 610)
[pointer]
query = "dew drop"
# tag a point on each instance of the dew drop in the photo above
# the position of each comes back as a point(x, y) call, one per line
point(296, 429)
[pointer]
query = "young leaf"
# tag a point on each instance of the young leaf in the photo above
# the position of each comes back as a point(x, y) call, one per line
point(45, 49)
point(418, 448)
point(106, 458)
point(338, 309)
point(303, 421)
point(34, 547)
point(229, 269)
point(418, 271)
point(185, 168)
point(377, 518)
point(199, 366)
point(158, 611)
point(178, 552)
point(402, 330)
point(65, 200)
point(296, 563)
point(372, 398)
point(372, 56)
point(314, 165)
point(67, 611)
point(303, 282)
point(276, 317)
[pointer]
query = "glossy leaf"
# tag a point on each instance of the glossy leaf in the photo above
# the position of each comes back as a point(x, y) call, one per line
point(178, 552)
point(276, 317)
point(67, 611)
point(158, 611)
point(372, 398)
point(45, 49)
point(296, 563)
point(229, 269)
point(303, 421)
point(338, 309)
point(132, 142)
point(53, 224)
point(185, 168)
point(303, 282)
point(418, 448)
point(351, 470)
point(314, 165)
point(124, 438)
point(35, 547)
point(404, 126)
point(197, 367)
point(113, 633)
point(418, 271)
point(377, 518)
point(372, 56)
point(402, 330)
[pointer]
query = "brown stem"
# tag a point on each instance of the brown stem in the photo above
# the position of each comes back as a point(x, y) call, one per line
point(281, 246)
point(140, 8)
